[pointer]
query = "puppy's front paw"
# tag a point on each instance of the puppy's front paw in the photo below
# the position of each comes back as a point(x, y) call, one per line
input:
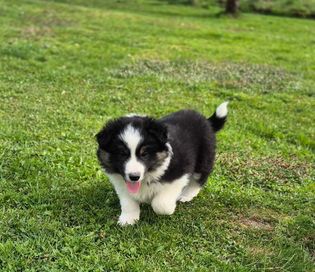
point(185, 198)
point(162, 206)
point(128, 219)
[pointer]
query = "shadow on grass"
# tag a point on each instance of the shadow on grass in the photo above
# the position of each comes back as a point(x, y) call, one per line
point(99, 204)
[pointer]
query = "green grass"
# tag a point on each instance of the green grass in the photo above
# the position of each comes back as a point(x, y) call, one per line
point(296, 8)
point(291, 8)
point(67, 67)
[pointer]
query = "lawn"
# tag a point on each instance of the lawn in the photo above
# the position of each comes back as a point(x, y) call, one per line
point(66, 67)
point(297, 8)
point(292, 8)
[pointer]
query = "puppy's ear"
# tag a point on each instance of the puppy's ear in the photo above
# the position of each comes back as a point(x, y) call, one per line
point(157, 130)
point(104, 137)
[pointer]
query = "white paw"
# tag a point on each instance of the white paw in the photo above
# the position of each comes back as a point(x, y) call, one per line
point(128, 219)
point(189, 193)
point(184, 198)
point(161, 206)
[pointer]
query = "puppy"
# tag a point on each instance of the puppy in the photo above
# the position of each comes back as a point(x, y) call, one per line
point(158, 161)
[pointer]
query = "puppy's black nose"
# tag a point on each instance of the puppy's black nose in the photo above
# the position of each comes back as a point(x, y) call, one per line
point(134, 176)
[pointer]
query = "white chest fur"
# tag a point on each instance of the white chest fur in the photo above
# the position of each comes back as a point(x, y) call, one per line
point(147, 191)
point(161, 196)
point(145, 194)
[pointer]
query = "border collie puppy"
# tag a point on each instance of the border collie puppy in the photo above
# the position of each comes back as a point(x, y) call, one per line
point(158, 161)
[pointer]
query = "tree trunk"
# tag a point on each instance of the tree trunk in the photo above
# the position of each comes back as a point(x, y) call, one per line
point(232, 7)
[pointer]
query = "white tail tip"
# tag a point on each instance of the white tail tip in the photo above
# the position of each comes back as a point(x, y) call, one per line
point(222, 110)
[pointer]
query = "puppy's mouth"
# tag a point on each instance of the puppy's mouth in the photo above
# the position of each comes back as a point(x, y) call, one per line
point(133, 186)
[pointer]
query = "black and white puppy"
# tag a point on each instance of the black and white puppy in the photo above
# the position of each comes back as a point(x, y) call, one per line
point(158, 161)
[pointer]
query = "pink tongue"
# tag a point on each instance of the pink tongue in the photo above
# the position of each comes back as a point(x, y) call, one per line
point(133, 187)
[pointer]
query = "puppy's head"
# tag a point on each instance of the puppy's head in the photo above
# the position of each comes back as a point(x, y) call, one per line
point(133, 147)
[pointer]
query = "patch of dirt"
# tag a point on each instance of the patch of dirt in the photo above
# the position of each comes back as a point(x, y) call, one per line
point(47, 17)
point(35, 31)
point(265, 171)
point(255, 223)
point(248, 77)
point(42, 24)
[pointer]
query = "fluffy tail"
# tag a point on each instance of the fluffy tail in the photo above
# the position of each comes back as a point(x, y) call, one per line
point(218, 119)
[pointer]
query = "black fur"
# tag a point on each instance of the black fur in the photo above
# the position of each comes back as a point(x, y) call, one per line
point(216, 122)
point(112, 152)
point(193, 142)
point(191, 136)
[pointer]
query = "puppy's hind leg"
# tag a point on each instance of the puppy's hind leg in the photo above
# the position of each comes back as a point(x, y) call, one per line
point(165, 200)
point(191, 190)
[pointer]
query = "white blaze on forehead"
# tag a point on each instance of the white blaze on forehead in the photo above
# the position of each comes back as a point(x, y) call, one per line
point(132, 138)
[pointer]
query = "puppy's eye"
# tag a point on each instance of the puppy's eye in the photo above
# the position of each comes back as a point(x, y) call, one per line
point(143, 152)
